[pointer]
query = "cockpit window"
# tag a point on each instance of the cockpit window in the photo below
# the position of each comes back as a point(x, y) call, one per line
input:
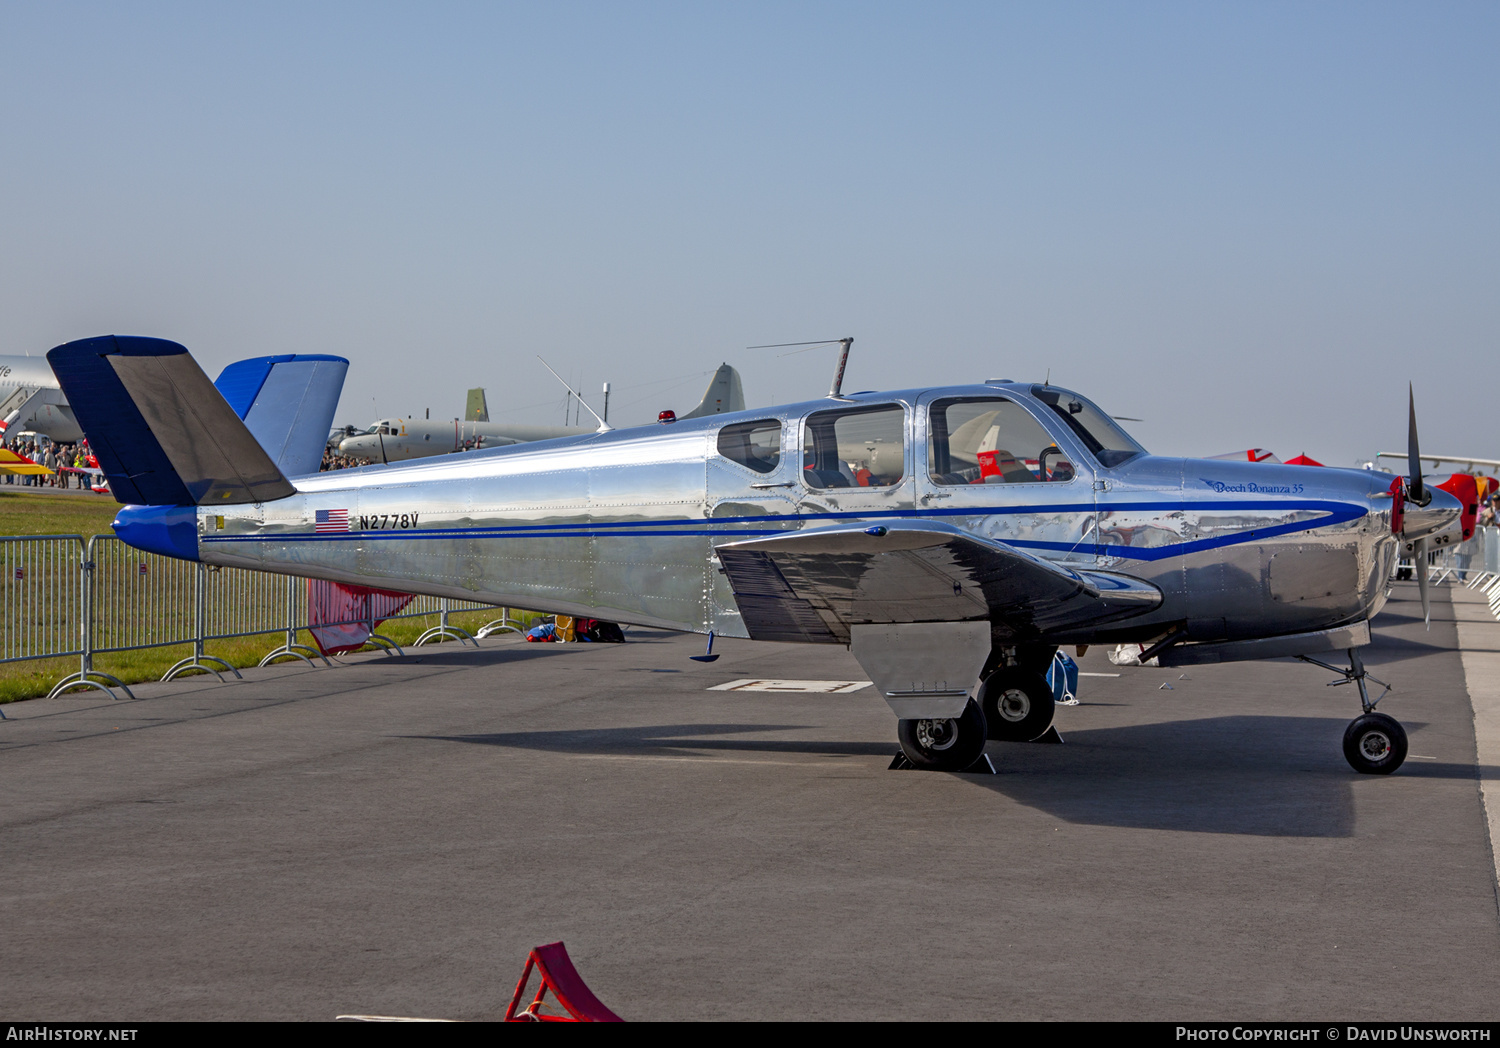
point(991, 440)
point(1110, 444)
point(753, 444)
point(855, 448)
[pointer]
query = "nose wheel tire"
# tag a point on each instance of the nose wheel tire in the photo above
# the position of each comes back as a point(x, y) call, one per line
point(944, 745)
point(1017, 703)
point(1375, 744)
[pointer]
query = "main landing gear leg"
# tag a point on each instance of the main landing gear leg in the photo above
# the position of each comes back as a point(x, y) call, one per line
point(1374, 744)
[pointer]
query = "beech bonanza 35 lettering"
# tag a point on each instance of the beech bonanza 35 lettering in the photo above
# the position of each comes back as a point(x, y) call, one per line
point(952, 537)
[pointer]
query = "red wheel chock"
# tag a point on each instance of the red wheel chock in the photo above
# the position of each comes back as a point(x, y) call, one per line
point(558, 975)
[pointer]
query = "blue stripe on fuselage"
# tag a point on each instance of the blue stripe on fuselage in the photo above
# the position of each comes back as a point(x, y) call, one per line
point(1337, 513)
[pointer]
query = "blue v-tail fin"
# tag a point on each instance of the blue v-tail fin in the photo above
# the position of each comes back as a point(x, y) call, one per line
point(163, 434)
point(287, 403)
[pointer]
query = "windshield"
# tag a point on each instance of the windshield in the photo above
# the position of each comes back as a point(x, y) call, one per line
point(1108, 443)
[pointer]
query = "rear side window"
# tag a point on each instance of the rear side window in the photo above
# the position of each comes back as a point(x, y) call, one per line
point(755, 445)
point(857, 448)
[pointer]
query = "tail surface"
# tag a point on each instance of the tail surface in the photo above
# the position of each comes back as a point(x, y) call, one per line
point(476, 410)
point(724, 394)
point(164, 436)
point(287, 403)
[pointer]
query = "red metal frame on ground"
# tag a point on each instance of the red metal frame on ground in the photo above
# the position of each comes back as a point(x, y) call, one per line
point(559, 976)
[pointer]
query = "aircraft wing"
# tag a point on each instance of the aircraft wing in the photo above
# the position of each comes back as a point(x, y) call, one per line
point(813, 585)
point(14, 462)
point(1434, 460)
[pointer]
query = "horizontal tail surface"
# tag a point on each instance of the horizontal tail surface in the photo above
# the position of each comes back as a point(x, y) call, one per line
point(163, 434)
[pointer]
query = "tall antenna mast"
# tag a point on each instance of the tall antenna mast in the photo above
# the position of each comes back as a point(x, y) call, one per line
point(835, 391)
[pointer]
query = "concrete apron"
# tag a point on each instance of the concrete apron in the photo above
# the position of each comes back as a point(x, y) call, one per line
point(1479, 646)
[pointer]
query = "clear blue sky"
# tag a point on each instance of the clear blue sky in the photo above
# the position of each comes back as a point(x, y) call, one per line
point(1247, 224)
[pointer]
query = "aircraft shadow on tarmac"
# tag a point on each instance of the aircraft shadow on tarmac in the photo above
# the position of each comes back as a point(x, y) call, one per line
point(1387, 618)
point(660, 740)
point(1258, 776)
point(465, 657)
point(492, 655)
point(1394, 649)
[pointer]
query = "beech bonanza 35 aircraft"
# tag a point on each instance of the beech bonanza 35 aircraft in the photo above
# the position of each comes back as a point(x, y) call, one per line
point(952, 537)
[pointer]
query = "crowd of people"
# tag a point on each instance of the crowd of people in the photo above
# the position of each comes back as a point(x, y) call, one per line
point(333, 460)
point(62, 457)
point(56, 457)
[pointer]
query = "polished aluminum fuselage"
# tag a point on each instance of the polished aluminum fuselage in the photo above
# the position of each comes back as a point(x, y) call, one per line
point(623, 525)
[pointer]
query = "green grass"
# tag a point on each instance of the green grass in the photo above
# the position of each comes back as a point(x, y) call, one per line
point(33, 679)
point(39, 511)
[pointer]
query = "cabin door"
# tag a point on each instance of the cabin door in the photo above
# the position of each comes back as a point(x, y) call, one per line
point(990, 467)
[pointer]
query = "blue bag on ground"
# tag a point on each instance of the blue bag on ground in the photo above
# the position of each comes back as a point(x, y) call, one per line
point(1063, 676)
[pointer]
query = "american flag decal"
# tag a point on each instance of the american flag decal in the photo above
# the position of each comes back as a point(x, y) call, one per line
point(331, 520)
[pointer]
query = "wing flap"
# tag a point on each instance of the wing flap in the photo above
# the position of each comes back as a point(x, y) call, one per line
point(813, 585)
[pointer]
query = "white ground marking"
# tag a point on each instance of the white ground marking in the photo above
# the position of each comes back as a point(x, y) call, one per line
point(1479, 644)
point(825, 687)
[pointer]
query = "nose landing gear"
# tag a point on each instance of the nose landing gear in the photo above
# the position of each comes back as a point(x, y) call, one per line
point(1374, 744)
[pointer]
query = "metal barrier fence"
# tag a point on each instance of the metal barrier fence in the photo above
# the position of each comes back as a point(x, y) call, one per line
point(43, 601)
point(69, 596)
point(1479, 554)
point(1457, 563)
point(1482, 572)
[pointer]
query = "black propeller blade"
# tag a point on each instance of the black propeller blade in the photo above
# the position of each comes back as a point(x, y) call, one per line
point(1419, 493)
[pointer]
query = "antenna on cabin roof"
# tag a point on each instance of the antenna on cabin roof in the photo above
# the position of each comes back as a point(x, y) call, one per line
point(604, 427)
point(836, 390)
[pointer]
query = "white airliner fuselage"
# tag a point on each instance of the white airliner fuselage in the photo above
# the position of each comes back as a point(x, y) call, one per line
point(32, 401)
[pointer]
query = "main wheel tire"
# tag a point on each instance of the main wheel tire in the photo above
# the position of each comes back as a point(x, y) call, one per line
point(944, 745)
point(1375, 744)
point(1017, 703)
